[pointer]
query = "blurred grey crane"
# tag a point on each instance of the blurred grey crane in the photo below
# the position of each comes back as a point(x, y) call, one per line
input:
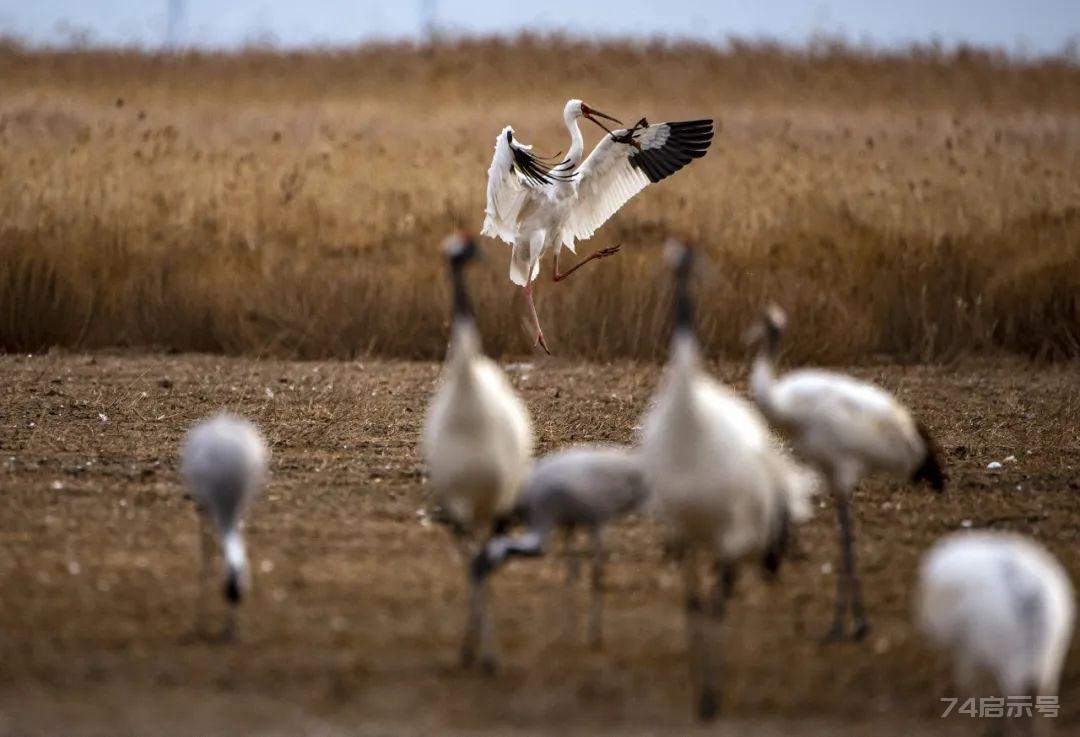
point(224, 463)
point(582, 487)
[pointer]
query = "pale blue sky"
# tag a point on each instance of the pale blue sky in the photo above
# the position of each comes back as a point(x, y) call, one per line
point(1033, 27)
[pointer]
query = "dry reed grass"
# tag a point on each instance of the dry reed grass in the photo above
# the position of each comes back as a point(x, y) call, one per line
point(920, 205)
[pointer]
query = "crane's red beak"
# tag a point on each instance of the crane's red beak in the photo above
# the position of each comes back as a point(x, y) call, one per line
point(589, 112)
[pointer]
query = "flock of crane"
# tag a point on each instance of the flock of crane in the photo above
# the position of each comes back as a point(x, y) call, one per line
point(726, 475)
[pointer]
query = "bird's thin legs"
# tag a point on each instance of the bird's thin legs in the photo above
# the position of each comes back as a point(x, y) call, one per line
point(573, 574)
point(722, 588)
point(557, 275)
point(536, 318)
point(1035, 724)
point(472, 620)
point(475, 645)
point(206, 556)
point(476, 648)
point(596, 603)
point(228, 632)
point(848, 592)
point(724, 579)
point(698, 646)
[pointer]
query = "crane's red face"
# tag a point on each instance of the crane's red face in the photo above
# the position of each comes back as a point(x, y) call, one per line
point(589, 112)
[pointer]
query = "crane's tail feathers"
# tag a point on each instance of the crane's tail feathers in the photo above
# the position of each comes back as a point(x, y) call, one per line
point(795, 486)
point(799, 484)
point(779, 540)
point(931, 469)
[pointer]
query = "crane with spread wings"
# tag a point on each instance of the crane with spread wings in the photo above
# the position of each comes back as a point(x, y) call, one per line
point(537, 205)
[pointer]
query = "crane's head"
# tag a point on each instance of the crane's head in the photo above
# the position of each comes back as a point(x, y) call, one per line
point(460, 248)
point(774, 317)
point(769, 329)
point(577, 109)
point(679, 256)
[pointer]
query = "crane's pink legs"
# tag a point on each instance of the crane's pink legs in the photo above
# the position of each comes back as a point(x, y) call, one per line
point(536, 319)
point(556, 275)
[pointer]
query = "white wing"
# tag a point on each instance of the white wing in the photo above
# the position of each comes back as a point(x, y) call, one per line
point(616, 170)
point(516, 176)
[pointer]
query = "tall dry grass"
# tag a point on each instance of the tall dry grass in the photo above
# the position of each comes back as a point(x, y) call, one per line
point(920, 205)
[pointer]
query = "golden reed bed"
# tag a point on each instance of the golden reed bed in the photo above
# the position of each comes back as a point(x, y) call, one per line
point(921, 205)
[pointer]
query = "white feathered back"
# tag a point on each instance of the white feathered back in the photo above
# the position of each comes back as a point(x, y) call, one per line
point(1002, 603)
point(717, 474)
point(477, 439)
point(224, 461)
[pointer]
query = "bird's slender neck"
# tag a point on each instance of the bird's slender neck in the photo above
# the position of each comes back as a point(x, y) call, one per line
point(464, 343)
point(235, 566)
point(684, 306)
point(577, 142)
point(462, 305)
point(685, 357)
point(763, 373)
point(464, 338)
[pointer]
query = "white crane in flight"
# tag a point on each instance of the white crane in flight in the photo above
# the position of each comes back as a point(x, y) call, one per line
point(538, 206)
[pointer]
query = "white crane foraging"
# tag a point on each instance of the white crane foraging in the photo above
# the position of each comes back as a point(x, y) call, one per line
point(477, 442)
point(224, 463)
point(1004, 607)
point(538, 206)
point(847, 428)
point(580, 487)
point(719, 479)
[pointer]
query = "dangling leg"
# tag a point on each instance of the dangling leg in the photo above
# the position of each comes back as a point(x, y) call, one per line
point(557, 276)
point(596, 603)
point(536, 319)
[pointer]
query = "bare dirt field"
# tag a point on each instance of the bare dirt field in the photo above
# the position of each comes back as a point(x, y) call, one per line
point(356, 608)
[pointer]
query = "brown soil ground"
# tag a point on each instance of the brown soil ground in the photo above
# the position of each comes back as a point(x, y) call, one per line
point(356, 608)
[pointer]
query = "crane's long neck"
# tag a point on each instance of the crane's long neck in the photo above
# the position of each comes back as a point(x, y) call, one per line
point(577, 143)
point(462, 305)
point(763, 374)
point(685, 358)
point(464, 337)
point(235, 566)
